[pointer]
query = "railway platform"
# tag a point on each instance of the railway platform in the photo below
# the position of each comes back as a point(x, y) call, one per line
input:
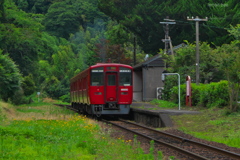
point(154, 116)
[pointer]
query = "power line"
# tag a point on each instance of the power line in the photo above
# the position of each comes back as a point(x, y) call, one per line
point(179, 22)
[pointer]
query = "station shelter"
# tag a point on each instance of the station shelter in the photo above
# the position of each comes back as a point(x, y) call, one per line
point(147, 78)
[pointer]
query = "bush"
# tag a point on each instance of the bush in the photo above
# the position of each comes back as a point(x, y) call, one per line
point(28, 85)
point(65, 98)
point(214, 94)
point(173, 94)
point(19, 98)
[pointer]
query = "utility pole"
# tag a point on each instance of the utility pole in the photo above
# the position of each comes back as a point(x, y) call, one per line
point(134, 50)
point(167, 40)
point(197, 20)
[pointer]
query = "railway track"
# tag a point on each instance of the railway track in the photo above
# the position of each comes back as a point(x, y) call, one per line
point(186, 148)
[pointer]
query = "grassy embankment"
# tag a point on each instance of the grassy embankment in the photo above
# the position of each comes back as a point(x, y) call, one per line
point(214, 124)
point(43, 131)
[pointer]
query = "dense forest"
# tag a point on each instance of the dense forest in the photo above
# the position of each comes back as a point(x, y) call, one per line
point(43, 43)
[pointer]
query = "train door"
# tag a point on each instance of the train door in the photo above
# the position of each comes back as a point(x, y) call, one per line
point(111, 87)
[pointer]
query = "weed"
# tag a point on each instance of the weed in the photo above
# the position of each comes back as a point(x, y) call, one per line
point(213, 125)
point(50, 132)
point(164, 104)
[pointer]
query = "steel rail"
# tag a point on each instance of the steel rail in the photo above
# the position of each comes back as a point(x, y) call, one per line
point(224, 152)
point(193, 155)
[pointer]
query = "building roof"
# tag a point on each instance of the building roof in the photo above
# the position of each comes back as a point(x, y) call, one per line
point(155, 61)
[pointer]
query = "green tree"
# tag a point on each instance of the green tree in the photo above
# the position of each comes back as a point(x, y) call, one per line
point(2, 12)
point(65, 17)
point(34, 6)
point(21, 38)
point(10, 77)
point(142, 17)
point(84, 43)
point(54, 77)
point(230, 64)
point(28, 85)
point(62, 19)
point(235, 31)
point(117, 34)
point(184, 63)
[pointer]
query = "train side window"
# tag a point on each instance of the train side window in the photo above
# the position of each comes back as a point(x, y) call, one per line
point(97, 76)
point(125, 76)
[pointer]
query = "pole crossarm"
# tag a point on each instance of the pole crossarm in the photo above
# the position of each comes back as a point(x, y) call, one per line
point(167, 39)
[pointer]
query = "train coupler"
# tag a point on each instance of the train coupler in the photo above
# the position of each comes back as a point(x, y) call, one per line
point(98, 108)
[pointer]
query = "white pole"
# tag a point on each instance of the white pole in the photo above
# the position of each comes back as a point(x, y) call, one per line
point(179, 103)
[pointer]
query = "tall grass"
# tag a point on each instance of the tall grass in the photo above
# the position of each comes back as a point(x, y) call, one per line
point(48, 132)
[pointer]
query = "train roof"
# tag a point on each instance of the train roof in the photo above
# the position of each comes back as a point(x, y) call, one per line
point(110, 64)
point(100, 65)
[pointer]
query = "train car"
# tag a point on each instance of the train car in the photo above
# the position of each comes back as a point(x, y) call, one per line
point(103, 89)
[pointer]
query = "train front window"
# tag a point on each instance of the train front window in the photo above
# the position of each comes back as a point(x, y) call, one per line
point(111, 80)
point(125, 76)
point(97, 76)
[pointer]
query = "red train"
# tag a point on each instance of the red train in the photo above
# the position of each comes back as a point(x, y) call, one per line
point(103, 89)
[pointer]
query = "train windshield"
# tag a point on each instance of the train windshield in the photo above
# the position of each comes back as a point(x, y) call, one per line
point(97, 76)
point(125, 76)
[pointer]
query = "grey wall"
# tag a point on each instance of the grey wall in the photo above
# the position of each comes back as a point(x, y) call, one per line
point(152, 80)
point(137, 85)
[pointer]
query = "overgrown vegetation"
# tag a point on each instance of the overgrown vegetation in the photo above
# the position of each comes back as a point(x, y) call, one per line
point(142, 18)
point(212, 124)
point(210, 95)
point(48, 132)
point(51, 41)
point(217, 65)
point(218, 125)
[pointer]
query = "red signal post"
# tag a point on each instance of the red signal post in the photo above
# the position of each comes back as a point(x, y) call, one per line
point(188, 92)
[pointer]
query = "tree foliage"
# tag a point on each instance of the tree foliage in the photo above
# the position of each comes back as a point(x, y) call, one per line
point(34, 6)
point(184, 63)
point(2, 11)
point(10, 77)
point(62, 19)
point(230, 64)
point(142, 18)
point(28, 85)
point(221, 63)
point(52, 40)
point(65, 17)
point(20, 37)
